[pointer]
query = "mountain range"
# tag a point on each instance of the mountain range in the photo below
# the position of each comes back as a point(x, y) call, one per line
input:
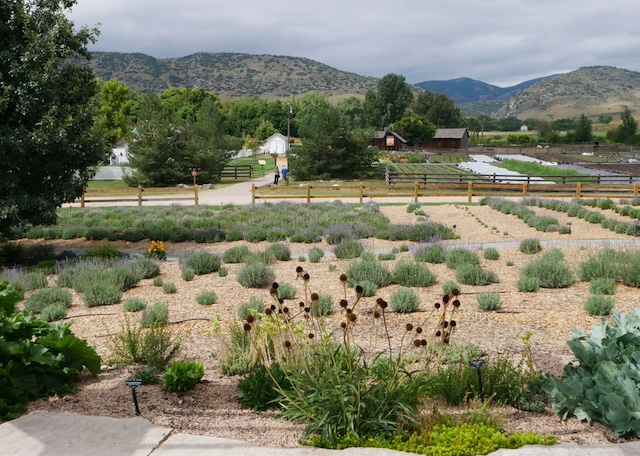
point(590, 90)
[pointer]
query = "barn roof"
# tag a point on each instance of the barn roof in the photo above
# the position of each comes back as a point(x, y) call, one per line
point(450, 133)
point(382, 134)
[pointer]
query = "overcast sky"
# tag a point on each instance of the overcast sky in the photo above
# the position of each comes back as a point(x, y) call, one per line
point(501, 42)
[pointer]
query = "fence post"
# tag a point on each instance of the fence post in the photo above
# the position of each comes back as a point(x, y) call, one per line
point(578, 189)
point(253, 193)
point(525, 188)
point(82, 200)
point(140, 195)
point(195, 194)
point(635, 191)
point(361, 192)
point(416, 190)
point(469, 190)
point(308, 193)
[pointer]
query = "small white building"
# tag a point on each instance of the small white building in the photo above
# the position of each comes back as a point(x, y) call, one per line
point(524, 128)
point(119, 156)
point(275, 144)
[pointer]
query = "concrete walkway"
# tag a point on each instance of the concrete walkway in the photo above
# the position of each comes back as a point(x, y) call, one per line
point(66, 434)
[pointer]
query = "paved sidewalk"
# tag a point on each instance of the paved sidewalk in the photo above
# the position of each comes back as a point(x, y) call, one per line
point(66, 434)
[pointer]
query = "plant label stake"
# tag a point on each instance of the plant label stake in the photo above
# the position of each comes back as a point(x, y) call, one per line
point(477, 365)
point(133, 384)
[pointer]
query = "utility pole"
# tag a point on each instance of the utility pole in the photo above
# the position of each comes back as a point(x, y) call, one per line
point(289, 128)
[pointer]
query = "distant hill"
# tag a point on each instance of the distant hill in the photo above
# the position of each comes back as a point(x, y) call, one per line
point(592, 90)
point(466, 90)
point(230, 75)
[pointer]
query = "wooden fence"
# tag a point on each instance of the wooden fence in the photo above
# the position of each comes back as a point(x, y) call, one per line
point(468, 189)
point(237, 171)
point(95, 198)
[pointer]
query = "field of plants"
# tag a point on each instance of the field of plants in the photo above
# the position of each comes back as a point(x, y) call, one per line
point(293, 308)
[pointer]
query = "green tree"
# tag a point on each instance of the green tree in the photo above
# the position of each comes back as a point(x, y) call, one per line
point(115, 111)
point(438, 109)
point(389, 102)
point(48, 144)
point(330, 148)
point(265, 129)
point(605, 118)
point(184, 102)
point(353, 109)
point(628, 128)
point(415, 129)
point(158, 148)
point(583, 132)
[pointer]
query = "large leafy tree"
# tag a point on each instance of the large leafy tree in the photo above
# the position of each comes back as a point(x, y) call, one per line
point(438, 109)
point(389, 102)
point(48, 145)
point(115, 111)
point(330, 148)
point(415, 129)
point(583, 132)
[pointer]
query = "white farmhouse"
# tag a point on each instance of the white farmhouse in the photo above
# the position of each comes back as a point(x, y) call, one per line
point(275, 144)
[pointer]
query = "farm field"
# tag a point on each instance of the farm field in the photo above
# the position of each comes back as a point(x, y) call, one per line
point(210, 409)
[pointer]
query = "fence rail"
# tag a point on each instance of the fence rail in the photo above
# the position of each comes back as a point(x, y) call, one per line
point(470, 189)
point(238, 171)
point(96, 198)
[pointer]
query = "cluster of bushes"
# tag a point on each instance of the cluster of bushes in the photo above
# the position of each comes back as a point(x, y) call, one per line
point(540, 223)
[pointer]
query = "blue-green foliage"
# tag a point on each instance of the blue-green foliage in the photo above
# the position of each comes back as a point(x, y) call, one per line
point(604, 384)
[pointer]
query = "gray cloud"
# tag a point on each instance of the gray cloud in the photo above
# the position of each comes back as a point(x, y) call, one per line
point(502, 42)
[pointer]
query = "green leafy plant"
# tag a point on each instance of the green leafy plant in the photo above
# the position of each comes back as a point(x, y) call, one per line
point(207, 298)
point(201, 262)
point(134, 305)
point(259, 389)
point(223, 272)
point(322, 306)
point(315, 254)
point(158, 282)
point(183, 376)
point(604, 382)
point(489, 300)
point(411, 274)
point(254, 306)
point(368, 288)
point(530, 246)
point(449, 286)
point(459, 256)
point(348, 249)
point(280, 251)
point(236, 254)
point(155, 315)
point(603, 285)
point(287, 291)
point(386, 256)
point(169, 288)
point(54, 312)
point(188, 274)
point(599, 305)
point(40, 299)
point(372, 271)
point(491, 253)
point(257, 275)
point(528, 284)
point(102, 293)
point(473, 274)
point(550, 270)
point(404, 300)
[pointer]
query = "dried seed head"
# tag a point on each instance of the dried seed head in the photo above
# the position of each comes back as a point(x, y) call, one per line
point(445, 324)
point(281, 301)
point(456, 303)
point(305, 276)
point(307, 309)
point(268, 311)
point(419, 329)
point(358, 289)
point(409, 327)
point(384, 304)
point(416, 343)
point(311, 335)
point(314, 296)
point(423, 342)
point(343, 325)
point(299, 269)
point(376, 314)
point(343, 303)
point(247, 327)
point(437, 305)
point(285, 309)
point(379, 300)
point(273, 307)
point(250, 318)
point(445, 298)
point(343, 277)
point(349, 311)
point(352, 317)
point(438, 333)
point(453, 323)
point(287, 344)
point(273, 292)
point(301, 304)
point(275, 285)
point(455, 292)
point(446, 340)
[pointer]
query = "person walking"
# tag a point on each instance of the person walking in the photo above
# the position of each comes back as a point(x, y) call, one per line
point(276, 176)
point(285, 174)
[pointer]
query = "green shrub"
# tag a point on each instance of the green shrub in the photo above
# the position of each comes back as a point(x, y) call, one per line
point(630, 270)
point(472, 274)
point(602, 382)
point(286, 291)
point(104, 252)
point(158, 282)
point(263, 257)
point(188, 274)
point(491, 253)
point(13, 250)
point(301, 259)
point(323, 306)
point(169, 288)
point(603, 286)
point(359, 271)
point(347, 250)
point(102, 293)
point(528, 284)
point(413, 275)
point(234, 358)
point(280, 251)
point(551, 270)
point(183, 376)
point(603, 265)
point(254, 306)
point(207, 298)
point(411, 207)
point(147, 375)
point(386, 256)
point(155, 315)
point(259, 389)
point(489, 300)
point(368, 288)
point(530, 246)
point(315, 254)
point(404, 300)
point(459, 256)
point(22, 281)
point(236, 254)
point(255, 234)
point(367, 256)
point(40, 299)
point(200, 262)
point(449, 286)
point(223, 272)
point(134, 305)
point(54, 312)
point(154, 347)
point(564, 230)
point(148, 268)
point(599, 305)
point(256, 275)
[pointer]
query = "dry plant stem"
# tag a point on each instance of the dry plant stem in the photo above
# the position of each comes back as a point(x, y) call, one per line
point(386, 330)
